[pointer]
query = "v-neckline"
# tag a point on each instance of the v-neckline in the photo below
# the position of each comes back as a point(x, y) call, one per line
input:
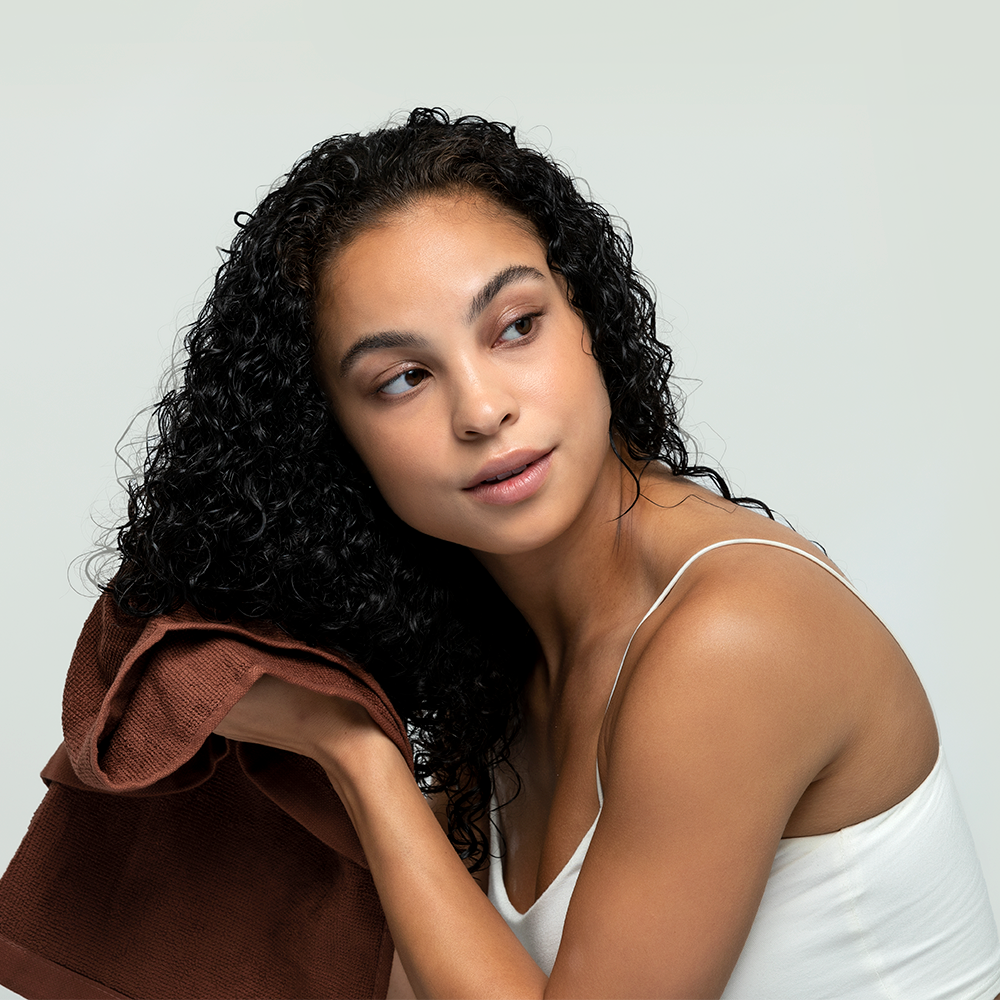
point(581, 850)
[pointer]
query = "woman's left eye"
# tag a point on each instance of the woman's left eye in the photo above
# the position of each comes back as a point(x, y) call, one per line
point(404, 382)
point(521, 327)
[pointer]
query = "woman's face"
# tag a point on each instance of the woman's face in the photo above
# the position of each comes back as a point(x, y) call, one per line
point(462, 376)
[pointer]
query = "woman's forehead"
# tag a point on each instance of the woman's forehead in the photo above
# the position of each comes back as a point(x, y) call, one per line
point(440, 250)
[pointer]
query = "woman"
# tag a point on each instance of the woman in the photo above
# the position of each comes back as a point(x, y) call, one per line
point(426, 421)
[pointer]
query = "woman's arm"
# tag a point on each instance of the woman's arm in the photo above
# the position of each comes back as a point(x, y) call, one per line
point(714, 737)
point(449, 938)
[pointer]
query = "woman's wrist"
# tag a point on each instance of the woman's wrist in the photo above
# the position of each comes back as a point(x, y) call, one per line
point(358, 758)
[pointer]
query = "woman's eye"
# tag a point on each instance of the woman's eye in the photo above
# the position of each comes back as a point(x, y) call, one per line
point(519, 328)
point(404, 382)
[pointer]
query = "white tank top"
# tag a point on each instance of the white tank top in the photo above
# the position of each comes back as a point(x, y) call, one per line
point(892, 907)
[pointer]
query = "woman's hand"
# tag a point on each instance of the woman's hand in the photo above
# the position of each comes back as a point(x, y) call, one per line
point(278, 714)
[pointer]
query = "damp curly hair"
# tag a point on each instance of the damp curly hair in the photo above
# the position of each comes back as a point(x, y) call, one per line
point(252, 505)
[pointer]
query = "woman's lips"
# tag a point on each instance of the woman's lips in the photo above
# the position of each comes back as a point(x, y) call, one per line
point(526, 480)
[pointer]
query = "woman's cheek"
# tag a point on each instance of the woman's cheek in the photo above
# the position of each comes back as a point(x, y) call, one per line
point(408, 475)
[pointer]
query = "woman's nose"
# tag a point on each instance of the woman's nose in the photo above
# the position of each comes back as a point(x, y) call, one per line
point(483, 404)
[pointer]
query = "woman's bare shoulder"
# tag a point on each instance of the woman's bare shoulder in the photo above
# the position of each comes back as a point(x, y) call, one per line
point(780, 660)
point(756, 631)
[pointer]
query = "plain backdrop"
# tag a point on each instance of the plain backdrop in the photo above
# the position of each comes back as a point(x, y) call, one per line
point(812, 187)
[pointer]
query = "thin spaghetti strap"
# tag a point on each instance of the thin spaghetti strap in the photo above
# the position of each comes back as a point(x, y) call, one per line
point(698, 555)
point(670, 586)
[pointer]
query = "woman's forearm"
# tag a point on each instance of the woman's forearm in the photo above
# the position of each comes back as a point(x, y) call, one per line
point(451, 940)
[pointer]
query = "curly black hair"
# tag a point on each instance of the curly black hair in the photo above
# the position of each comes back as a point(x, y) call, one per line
point(252, 505)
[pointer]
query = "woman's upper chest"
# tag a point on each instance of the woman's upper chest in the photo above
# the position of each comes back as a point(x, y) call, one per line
point(565, 716)
point(557, 800)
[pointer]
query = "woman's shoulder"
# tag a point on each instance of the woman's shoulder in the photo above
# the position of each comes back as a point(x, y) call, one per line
point(717, 558)
point(762, 642)
point(751, 598)
point(761, 623)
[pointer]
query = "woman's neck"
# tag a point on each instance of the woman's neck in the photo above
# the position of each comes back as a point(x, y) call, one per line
point(582, 589)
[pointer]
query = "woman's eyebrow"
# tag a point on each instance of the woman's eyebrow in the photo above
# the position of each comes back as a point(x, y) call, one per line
point(482, 298)
point(499, 281)
point(376, 342)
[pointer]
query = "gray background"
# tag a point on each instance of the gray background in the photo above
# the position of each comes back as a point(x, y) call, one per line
point(812, 187)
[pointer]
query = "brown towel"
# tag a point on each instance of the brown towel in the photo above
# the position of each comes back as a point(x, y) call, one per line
point(165, 861)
